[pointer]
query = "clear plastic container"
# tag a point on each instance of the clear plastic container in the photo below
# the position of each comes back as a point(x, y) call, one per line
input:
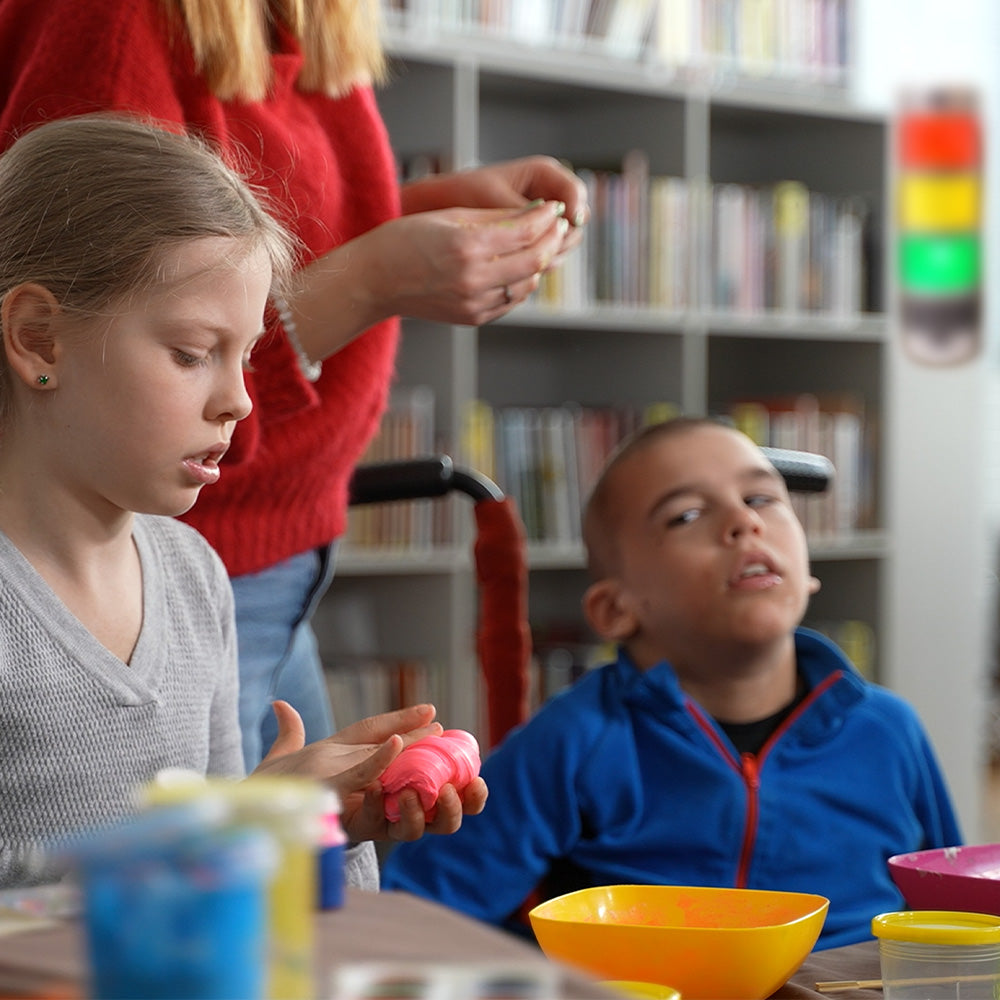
point(938, 955)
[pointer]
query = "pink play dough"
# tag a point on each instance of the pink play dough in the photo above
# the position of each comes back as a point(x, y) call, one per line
point(451, 758)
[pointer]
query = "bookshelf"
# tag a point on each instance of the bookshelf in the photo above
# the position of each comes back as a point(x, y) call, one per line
point(462, 94)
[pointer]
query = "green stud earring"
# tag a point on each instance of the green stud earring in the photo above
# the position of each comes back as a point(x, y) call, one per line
point(43, 380)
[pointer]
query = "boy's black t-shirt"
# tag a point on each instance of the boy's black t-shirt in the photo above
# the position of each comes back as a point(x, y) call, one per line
point(749, 737)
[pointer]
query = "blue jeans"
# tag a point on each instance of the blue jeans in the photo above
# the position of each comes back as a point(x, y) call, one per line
point(279, 656)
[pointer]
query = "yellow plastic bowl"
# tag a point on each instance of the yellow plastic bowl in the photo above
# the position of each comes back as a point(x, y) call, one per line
point(741, 944)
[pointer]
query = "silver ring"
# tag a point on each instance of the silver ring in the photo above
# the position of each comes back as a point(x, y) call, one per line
point(507, 297)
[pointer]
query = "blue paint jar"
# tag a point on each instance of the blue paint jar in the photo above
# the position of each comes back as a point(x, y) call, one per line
point(174, 909)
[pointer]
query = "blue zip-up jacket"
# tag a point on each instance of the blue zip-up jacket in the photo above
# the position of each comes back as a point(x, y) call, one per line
point(631, 781)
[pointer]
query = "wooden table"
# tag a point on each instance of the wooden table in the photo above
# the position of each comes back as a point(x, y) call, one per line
point(855, 962)
point(395, 927)
point(372, 927)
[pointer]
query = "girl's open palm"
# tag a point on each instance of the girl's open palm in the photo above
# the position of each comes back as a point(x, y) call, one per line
point(352, 760)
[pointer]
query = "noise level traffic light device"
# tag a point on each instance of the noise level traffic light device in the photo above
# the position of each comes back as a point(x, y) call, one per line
point(939, 236)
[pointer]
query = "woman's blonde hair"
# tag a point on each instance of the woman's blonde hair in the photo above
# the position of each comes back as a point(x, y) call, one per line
point(231, 43)
point(91, 205)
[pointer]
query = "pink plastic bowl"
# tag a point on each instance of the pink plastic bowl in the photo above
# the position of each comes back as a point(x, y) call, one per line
point(950, 878)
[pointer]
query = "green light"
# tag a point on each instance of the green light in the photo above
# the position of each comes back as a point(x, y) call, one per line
point(939, 264)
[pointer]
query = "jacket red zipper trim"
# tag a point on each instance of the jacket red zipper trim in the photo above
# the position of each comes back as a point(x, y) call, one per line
point(748, 767)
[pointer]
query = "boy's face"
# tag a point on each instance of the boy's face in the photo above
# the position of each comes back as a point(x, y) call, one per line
point(709, 556)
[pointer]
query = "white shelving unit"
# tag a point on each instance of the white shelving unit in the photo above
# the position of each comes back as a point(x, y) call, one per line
point(474, 100)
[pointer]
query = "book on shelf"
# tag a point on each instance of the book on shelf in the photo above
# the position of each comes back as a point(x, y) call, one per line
point(670, 245)
point(478, 428)
point(628, 26)
point(569, 22)
point(556, 473)
point(548, 458)
point(363, 686)
point(424, 164)
point(636, 249)
point(673, 34)
point(635, 208)
point(361, 680)
point(757, 50)
point(856, 640)
point(527, 21)
point(786, 248)
point(780, 247)
point(562, 652)
point(731, 275)
point(407, 430)
point(782, 39)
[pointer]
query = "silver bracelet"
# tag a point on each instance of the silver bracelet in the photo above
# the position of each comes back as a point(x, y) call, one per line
point(310, 369)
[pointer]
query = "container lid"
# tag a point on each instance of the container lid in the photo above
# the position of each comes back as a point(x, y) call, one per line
point(938, 927)
point(287, 805)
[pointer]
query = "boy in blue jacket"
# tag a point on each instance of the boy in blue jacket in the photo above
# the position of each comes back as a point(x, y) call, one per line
point(726, 746)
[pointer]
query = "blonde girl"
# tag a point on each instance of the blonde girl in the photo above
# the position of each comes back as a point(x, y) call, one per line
point(135, 272)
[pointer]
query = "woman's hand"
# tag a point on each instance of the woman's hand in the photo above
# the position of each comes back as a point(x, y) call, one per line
point(469, 247)
point(467, 265)
point(454, 265)
point(510, 184)
point(352, 760)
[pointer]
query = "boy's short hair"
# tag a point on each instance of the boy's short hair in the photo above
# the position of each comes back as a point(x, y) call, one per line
point(601, 511)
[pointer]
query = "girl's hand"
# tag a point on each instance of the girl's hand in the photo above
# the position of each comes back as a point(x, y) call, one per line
point(351, 762)
point(451, 807)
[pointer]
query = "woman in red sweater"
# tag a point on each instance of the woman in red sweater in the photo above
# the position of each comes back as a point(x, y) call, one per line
point(284, 87)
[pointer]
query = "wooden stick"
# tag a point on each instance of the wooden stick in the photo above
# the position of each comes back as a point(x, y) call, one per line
point(838, 986)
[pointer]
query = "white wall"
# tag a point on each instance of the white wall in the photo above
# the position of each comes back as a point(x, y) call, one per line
point(912, 41)
point(944, 474)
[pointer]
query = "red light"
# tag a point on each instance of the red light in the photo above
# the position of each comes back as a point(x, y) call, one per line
point(939, 140)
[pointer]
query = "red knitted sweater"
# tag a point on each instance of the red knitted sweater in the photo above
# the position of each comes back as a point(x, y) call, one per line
point(284, 481)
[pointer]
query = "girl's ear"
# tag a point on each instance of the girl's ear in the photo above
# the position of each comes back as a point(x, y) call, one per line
point(607, 612)
point(28, 313)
